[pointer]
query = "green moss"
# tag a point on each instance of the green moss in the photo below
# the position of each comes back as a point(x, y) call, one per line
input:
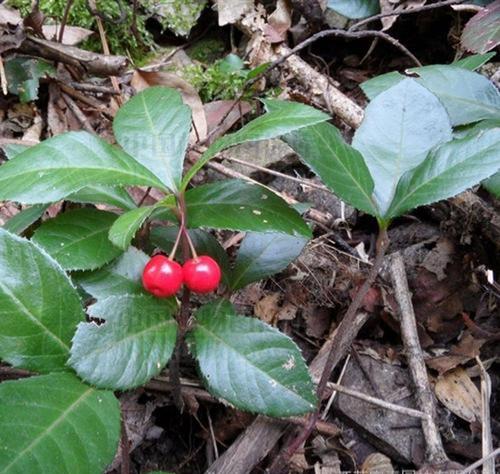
point(119, 36)
point(178, 16)
point(207, 50)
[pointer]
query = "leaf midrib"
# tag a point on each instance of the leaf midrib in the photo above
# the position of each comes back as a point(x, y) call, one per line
point(49, 429)
point(435, 177)
point(258, 369)
point(33, 318)
point(367, 196)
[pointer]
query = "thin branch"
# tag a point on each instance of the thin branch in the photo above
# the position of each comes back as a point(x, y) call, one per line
point(423, 8)
point(377, 401)
point(479, 463)
point(435, 453)
point(3, 78)
point(341, 341)
point(64, 21)
point(303, 181)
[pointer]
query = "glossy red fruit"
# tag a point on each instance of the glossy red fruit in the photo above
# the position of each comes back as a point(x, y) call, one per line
point(202, 274)
point(162, 277)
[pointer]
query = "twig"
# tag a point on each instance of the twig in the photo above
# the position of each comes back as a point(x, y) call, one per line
point(303, 181)
point(341, 341)
point(345, 34)
point(104, 42)
point(64, 20)
point(487, 441)
point(377, 401)
point(334, 393)
point(92, 88)
point(125, 448)
point(3, 78)
point(77, 112)
point(212, 435)
point(479, 463)
point(435, 453)
point(423, 8)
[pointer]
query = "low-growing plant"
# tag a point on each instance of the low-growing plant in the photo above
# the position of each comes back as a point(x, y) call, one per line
point(407, 153)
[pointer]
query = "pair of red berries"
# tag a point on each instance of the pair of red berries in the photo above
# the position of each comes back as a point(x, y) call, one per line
point(163, 277)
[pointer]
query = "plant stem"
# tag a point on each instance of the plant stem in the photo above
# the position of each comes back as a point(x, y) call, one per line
point(183, 316)
point(342, 335)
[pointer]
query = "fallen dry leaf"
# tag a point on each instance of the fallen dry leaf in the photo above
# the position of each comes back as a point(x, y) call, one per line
point(377, 463)
point(217, 110)
point(456, 391)
point(278, 22)
point(72, 35)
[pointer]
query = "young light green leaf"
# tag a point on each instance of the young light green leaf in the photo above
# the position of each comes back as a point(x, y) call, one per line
point(125, 227)
point(238, 205)
point(153, 127)
point(250, 364)
point(448, 170)
point(400, 126)
point(473, 62)
point(121, 277)
point(40, 308)
point(282, 118)
point(340, 167)
point(132, 345)
point(22, 220)
point(55, 423)
point(355, 9)
point(264, 254)
point(467, 96)
point(78, 239)
point(204, 243)
point(65, 164)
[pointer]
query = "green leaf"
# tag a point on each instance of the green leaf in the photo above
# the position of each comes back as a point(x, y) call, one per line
point(125, 227)
point(449, 170)
point(473, 62)
point(238, 205)
point(467, 96)
point(22, 220)
point(65, 164)
point(132, 345)
point(482, 31)
point(400, 126)
point(250, 364)
point(282, 118)
point(493, 185)
point(204, 243)
point(91, 194)
point(39, 307)
point(117, 197)
point(55, 423)
point(153, 127)
point(13, 149)
point(78, 239)
point(355, 9)
point(264, 254)
point(23, 76)
point(340, 167)
point(123, 276)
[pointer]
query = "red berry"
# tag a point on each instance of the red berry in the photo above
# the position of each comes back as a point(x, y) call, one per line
point(162, 277)
point(202, 274)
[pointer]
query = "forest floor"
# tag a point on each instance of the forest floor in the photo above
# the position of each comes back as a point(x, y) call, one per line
point(450, 250)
